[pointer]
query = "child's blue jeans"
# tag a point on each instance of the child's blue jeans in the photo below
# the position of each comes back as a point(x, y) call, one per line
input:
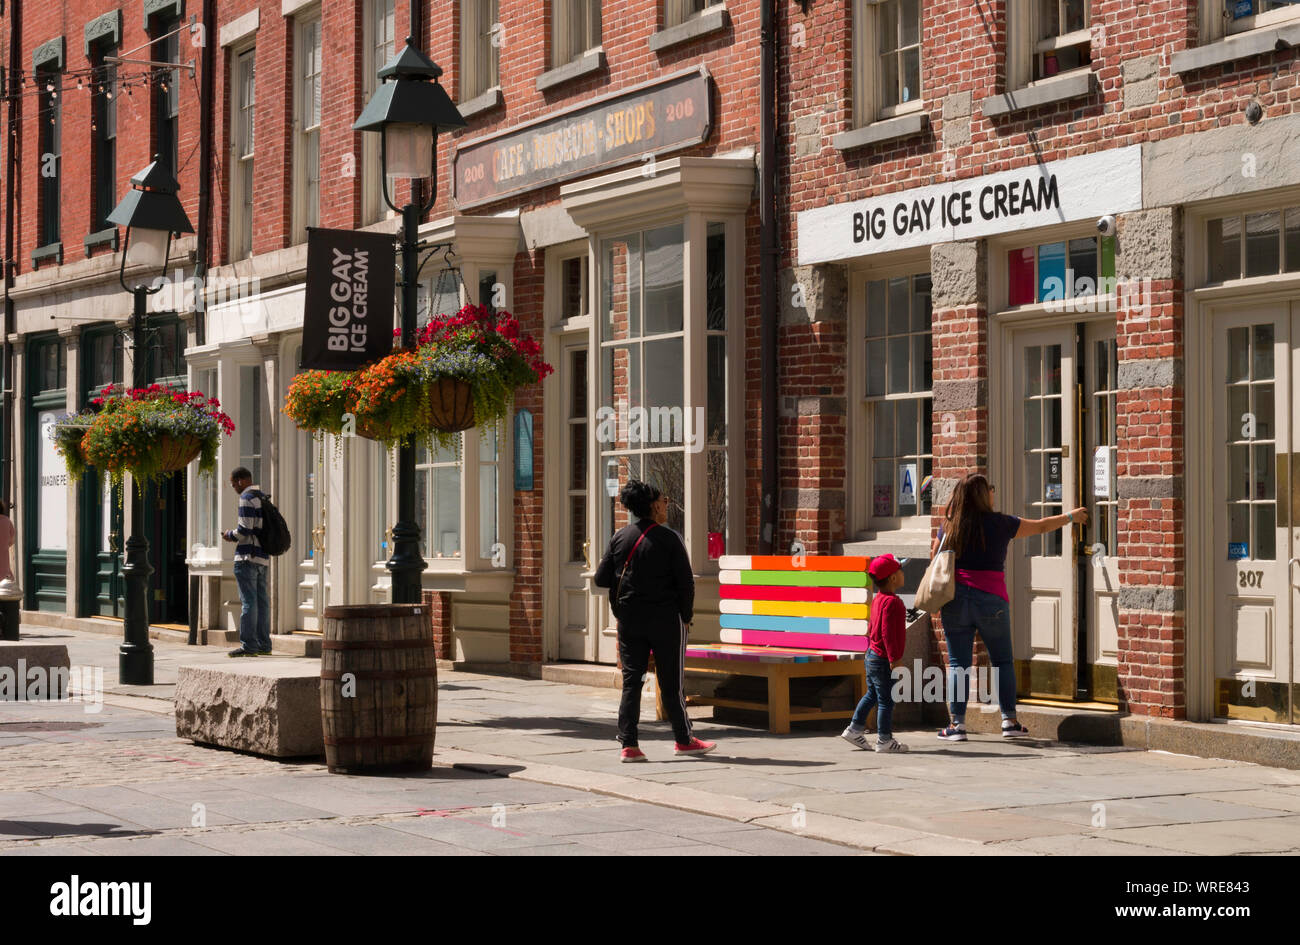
point(878, 697)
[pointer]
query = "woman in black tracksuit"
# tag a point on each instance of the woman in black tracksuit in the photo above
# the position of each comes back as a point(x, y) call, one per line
point(652, 593)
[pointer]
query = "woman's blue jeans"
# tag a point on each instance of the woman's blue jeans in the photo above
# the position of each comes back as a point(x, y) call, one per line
point(878, 696)
point(971, 610)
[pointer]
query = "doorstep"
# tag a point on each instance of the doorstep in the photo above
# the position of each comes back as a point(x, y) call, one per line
point(1232, 741)
point(584, 674)
point(113, 626)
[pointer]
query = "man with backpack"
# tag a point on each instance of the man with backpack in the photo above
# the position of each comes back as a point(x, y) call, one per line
point(252, 563)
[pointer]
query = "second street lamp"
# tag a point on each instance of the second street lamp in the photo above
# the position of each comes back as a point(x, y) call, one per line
point(151, 213)
point(408, 110)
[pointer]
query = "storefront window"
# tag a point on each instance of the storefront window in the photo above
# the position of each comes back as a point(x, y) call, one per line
point(1252, 487)
point(899, 378)
point(1253, 244)
point(716, 423)
point(488, 480)
point(641, 426)
point(205, 524)
point(1067, 269)
point(437, 501)
point(250, 420)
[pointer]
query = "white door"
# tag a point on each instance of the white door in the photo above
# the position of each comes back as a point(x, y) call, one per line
point(1099, 674)
point(576, 552)
point(1044, 478)
point(1254, 491)
point(312, 488)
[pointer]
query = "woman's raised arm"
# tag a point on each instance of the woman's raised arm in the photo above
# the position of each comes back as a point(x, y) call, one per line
point(1039, 526)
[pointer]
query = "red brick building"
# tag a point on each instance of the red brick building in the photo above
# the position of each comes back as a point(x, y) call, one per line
point(949, 168)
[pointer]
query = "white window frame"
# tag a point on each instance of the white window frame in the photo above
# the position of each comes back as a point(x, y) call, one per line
point(677, 12)
point(373, 207)
point(1215, 24)
point(1023, 44)
point(867, 73)
point(241, 199)
point(859, 521)
point(479, 19)
point(472, 557)
point(304, 214)
point(563, 15)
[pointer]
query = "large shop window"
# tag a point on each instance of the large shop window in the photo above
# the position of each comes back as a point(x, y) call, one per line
point(1066, 269)
point(206, 531)
point(250, 420)
point(645, 429)
point(887, 59)
point(1252, 489)
point(1254, 244)
point(899, 376)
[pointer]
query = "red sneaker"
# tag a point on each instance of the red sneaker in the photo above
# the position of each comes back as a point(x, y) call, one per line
point(695, 747)
point(632, 754)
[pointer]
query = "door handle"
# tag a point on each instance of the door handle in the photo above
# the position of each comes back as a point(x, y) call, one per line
point(113, 545)
point(318, 537)
point(1289, 571)
point(586, 558)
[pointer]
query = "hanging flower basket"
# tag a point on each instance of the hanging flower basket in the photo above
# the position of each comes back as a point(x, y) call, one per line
point(451, 405)
point(177, 452)
point(149, 432)
point(463, 372)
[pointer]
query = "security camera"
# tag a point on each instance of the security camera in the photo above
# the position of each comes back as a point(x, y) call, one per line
point(1106, 225)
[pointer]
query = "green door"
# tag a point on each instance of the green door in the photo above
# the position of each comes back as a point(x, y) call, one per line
point(45, 539)
point(102, 531)
point(164, 515)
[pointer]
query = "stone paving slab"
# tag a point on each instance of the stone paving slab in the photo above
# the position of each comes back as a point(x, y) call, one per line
point(1265, 799)
point(1272, 835)
point(1150, 811)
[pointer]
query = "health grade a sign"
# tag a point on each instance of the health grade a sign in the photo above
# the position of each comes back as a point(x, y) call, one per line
point(1080, 188)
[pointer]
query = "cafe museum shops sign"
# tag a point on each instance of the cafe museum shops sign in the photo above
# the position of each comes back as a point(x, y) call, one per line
point(660, 116)
point(1079, 188)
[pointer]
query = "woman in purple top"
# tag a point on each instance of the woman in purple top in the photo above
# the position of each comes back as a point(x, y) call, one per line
point(978, 536)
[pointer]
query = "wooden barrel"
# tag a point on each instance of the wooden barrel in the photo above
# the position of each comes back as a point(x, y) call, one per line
point(379, 688)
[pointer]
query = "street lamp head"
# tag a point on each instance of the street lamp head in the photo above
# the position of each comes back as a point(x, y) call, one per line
point(151, 213)
point(408, 109)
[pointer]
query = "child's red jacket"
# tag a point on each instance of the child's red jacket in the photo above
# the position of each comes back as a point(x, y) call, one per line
point(887, 627)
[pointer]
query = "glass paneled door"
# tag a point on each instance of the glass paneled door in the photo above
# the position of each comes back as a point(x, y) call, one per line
point(576, 605)
point(1042, 569)
point(1064, 584)
point(1255, 491)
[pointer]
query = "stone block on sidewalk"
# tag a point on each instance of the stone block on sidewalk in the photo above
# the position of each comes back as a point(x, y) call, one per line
point(264, 706)
point(33, 670)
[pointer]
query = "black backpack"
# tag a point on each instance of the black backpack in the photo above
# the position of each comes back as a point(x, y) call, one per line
point(274, 533)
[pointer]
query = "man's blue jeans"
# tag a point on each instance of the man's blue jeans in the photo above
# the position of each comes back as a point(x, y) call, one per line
point(970, 610)
point(255, 615)
point(878, 697)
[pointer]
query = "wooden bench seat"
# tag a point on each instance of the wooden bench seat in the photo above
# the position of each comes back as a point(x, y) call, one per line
point(786, 618)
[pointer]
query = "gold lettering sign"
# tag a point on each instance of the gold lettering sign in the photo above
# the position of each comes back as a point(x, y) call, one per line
point(654, 118)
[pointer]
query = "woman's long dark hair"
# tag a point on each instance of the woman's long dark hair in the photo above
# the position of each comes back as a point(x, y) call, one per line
point(970, 502)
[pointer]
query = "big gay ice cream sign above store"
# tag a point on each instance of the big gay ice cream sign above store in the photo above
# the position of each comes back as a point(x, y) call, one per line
point(1079, 188)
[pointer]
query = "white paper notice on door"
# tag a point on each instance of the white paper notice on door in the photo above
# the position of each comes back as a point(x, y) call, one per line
point(1101, 473)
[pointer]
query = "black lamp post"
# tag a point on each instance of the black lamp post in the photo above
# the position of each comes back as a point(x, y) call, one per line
point(408, 110)
point(151, 213)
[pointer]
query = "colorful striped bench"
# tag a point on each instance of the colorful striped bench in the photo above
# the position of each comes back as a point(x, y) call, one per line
point(785, 618)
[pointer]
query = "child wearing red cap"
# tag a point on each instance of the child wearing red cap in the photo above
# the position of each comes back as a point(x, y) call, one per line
point(886, 635)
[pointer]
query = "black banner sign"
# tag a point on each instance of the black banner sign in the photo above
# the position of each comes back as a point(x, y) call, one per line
point(348, 316)
point(650, 119)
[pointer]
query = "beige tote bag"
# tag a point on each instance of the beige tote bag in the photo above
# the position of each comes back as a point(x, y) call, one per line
point(939, 584)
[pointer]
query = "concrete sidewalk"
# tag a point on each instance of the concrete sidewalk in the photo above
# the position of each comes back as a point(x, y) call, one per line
point(554, 745)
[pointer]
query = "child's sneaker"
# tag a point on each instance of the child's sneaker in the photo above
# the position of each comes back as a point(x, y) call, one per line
point(1013, 730)
point(632, 754)
point(892, 745)
point(954, 733)
point(856, 739)
point(695, 747)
